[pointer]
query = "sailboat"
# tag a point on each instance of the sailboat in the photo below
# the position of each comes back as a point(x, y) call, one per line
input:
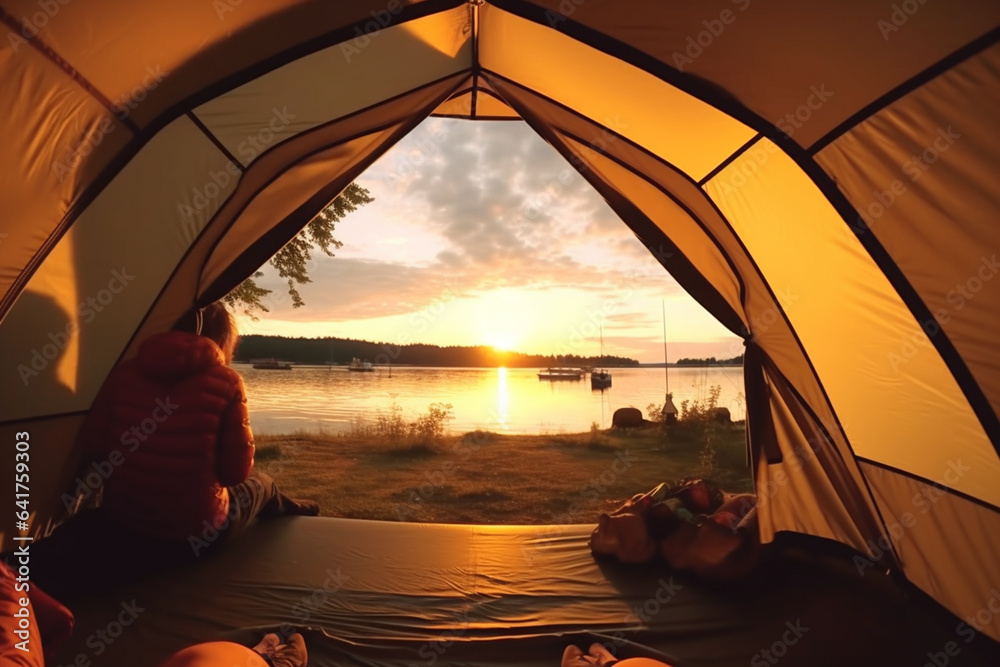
point(600, 379)
point(669, 409)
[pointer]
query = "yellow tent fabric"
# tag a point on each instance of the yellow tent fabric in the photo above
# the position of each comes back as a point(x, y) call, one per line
point(825, 176)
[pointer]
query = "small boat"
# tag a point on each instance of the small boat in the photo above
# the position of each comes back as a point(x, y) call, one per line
point(359, 366)
point(553, 374)
point(271, 364)
point(600, 380)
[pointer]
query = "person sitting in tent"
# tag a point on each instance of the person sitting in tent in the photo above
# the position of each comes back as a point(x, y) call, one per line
point(171, 432)
point(176, 416)
point(693, 526)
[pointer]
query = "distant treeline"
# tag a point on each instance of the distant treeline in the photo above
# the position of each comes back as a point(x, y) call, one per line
point(343, 350)
point(711, 361)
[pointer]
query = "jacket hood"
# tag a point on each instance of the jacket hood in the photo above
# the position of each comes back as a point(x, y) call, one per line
point(176, 354)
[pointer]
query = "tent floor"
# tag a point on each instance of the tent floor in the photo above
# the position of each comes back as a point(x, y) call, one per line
point(392, 594)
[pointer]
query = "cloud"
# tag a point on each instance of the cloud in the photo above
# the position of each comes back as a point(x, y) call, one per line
point(495, 192)
point(472, 207)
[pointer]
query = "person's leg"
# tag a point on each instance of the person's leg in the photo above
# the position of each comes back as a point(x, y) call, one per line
point(259, 496)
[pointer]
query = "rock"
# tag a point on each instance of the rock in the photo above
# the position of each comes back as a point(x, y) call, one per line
point(627, 418)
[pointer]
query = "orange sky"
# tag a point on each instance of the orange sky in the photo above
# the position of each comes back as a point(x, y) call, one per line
point(480, 233)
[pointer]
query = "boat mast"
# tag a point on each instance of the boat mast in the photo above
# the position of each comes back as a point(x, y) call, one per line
point(602, 344)
point(666, 377)
point(669, 409)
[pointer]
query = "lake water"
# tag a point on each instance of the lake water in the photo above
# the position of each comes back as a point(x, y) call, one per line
point(328, 399)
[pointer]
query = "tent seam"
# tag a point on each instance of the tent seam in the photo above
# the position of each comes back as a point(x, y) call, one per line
point(729, 160)
point(644, 151)
point(850, 448)
point(914, 83)
point(52, 56)
point(985, 504)
point(215, 140)
point(910, 298)
point(404, 129)
point(178, 109)
point(720, 99)
point(770, 292)
point(208, 224)
point(460, 75)
point(702, 89)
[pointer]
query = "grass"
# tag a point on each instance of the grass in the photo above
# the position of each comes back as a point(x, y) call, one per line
point(494, 478)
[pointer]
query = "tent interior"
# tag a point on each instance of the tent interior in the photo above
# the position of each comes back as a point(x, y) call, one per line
point(821, 180)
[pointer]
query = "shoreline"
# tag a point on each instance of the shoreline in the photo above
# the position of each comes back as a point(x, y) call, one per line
point(482, 477)
point(296, 364)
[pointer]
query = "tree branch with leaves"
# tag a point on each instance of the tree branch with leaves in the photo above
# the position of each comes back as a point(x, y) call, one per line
point(293, 259)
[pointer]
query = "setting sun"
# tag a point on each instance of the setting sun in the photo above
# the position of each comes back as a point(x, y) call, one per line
point(502, 342)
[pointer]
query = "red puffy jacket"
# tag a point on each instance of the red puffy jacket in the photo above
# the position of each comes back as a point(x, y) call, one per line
point(171, 429)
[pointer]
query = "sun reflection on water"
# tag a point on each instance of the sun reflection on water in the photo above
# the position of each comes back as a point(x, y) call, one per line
point(503, 398)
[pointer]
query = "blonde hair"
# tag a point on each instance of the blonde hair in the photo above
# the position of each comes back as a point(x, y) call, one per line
point(216, 324)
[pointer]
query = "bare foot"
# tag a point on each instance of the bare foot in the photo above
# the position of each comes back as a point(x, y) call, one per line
point(292, 653)
point(268, 645)
point(301, 507)
point(600, 655)
point(574, 657)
